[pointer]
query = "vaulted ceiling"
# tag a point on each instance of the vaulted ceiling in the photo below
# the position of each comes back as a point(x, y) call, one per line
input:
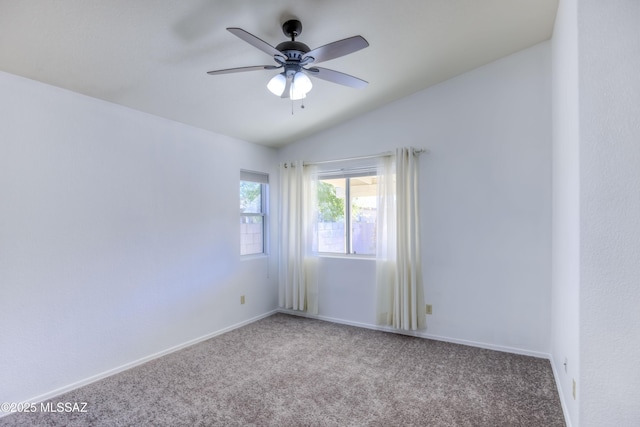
point(152, 55)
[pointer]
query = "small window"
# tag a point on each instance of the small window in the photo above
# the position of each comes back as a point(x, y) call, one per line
point(347, 212)
point(254, 188)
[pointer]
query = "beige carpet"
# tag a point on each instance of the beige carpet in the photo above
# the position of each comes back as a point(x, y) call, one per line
point(290, 371)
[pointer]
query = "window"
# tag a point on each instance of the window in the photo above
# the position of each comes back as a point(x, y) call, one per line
point(254, 188)
point(347, 212)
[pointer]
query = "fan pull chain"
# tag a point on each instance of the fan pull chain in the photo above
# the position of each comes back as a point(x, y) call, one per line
point(301, 105)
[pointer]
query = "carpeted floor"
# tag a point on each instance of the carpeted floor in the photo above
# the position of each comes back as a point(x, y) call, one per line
point(290, 371)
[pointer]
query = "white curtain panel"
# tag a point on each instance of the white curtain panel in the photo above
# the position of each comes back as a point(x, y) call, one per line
point(400, 293)
point(297, 267)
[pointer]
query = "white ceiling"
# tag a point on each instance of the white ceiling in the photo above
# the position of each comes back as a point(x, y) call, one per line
point(152, 55)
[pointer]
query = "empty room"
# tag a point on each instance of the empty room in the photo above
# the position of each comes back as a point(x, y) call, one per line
point(320, 213)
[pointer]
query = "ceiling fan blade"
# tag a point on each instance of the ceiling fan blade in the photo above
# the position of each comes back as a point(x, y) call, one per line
point(255, 42)
point(241, 69)
point(337, 77)
point(337, 49)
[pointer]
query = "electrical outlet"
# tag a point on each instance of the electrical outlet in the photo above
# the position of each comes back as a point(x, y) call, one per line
point(574, 389)
point(429, 309)
point(241, 299)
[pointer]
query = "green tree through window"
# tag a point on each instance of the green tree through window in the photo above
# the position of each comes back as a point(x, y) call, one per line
point(330, 206)
point(249, 192)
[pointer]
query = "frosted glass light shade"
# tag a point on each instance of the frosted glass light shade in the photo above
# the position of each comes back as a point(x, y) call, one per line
point(277, 84)
point(302, 82)
point(300, 86)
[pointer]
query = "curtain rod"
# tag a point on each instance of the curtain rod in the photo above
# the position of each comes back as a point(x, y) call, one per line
point(371, 156)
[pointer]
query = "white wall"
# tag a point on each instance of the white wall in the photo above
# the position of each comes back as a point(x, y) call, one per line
point(566, 207)
point(485, 200)
point(609, 62)
point(119, 237)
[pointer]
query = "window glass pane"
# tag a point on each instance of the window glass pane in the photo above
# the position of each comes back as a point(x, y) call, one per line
point(253, 196)
point(250, 197)
point(331, 215)
point(251, 234)
point(363, 194)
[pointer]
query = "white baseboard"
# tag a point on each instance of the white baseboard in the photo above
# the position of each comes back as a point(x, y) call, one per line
point(419, 334)
point(98, 377)
point(563, 402)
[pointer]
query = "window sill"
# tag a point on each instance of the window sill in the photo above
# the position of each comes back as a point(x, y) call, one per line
point(253, 256)
point(346, 256)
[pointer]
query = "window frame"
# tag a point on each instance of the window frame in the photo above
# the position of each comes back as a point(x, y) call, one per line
point(347, 174)
point(262, 179)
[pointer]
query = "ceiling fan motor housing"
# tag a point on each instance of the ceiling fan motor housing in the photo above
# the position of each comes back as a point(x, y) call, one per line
point(293, 50)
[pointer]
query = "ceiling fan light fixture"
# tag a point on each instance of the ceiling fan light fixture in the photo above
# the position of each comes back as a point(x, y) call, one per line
point(277, 84)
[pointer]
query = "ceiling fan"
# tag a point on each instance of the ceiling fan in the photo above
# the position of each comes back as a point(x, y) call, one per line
point(298, 61)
